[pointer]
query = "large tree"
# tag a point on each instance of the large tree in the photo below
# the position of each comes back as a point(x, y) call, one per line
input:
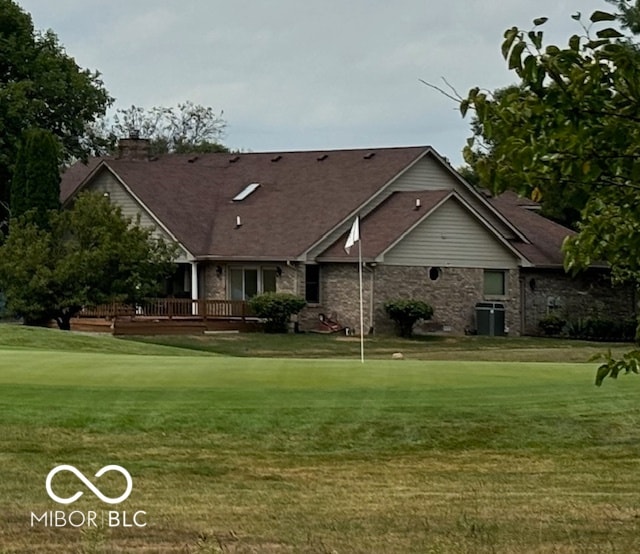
point(90, 255)
point(42, 86)
point(185, 128)
point(35, 185)
point(559, 109)
point(570, 130)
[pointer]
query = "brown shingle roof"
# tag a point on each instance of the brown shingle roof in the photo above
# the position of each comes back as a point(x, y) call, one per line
point(546, 237)
point(388, 222)
point(302, 196)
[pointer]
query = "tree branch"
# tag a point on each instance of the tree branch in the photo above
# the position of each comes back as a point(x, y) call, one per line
point(455, 96)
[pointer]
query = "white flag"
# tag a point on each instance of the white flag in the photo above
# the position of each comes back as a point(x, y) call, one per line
point(354, 235)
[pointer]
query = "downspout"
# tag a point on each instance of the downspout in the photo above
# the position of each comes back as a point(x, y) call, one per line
point(523, 303)
point(372, 272)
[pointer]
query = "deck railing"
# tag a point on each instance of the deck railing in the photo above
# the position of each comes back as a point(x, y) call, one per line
point(173, 307)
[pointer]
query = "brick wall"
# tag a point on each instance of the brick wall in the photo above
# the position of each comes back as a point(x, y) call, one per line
point(453, 295)
point(590, 294)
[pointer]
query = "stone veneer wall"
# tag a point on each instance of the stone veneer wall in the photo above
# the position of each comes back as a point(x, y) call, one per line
point(340, 295)
point(589, 294)
point(215, 286)
point(453, 297)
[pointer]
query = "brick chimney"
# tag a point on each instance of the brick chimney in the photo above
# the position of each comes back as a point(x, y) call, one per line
point(134, 147)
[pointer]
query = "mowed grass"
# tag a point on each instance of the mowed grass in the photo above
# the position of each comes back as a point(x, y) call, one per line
point(429, 347)
point(232, 454)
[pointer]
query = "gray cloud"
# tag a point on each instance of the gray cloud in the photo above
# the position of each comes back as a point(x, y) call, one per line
point(291, 74)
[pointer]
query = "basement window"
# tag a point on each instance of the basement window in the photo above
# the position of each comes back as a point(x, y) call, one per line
point(246, 191)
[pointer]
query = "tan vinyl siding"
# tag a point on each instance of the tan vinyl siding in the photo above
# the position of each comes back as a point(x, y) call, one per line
point(105, 182)
point(429, 174)
point(426, 174)
point(451, 237)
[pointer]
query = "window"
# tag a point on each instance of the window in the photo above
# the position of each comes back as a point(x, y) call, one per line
point(312, 284)
point(495, 282)
point(269, 280)
point(435, 273)
point(247, 282)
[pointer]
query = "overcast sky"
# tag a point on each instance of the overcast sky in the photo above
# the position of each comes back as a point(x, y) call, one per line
point(299, 75)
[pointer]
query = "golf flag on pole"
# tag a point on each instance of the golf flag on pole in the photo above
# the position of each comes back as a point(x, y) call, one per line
point(354, 235)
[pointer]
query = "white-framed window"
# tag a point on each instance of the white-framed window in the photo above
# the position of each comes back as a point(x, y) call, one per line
point(495, 282)
point(247, 282)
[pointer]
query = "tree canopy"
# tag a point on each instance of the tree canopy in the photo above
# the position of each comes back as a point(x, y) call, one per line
point(185, 128)
point(569, 133)
point(42, 86)
point(90, 255)
point(570, 129)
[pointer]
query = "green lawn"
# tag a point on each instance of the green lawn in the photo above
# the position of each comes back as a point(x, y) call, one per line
point(472, 348)
point(247, 454)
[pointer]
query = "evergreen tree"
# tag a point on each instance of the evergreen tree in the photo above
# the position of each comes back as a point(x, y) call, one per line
point(42, 86)
point(36, 182)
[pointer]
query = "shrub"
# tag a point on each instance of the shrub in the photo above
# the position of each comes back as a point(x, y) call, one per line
point(406, 312)
point(552, 325)
point(277, 308)
point(603, 329)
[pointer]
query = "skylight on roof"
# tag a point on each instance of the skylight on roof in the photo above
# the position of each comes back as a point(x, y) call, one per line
point(246, 191)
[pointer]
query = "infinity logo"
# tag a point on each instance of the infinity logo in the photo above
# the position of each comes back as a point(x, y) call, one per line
point(89, 484)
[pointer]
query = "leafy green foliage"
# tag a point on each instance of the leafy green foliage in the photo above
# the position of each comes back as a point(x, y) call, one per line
point(602, 329)
point(89, 255)
point(611, 367)
point(406, 313)
point(186, 128)
point(277, 308)
point(552, 325)
point(629, 14)
point(36, 181)
point(42, 86)
point(569, 134)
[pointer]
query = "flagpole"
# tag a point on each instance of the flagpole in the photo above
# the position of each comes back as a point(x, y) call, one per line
point(354, 236)
point(361, 304)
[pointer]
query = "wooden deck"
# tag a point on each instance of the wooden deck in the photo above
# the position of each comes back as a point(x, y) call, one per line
point(168, 316)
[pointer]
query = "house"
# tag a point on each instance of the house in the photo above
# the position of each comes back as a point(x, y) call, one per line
point(256, 222)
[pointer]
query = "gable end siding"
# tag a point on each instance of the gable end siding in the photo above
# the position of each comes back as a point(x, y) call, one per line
point(426, 174)
point(451, 237)
point(105, 182)
point(429, 174)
